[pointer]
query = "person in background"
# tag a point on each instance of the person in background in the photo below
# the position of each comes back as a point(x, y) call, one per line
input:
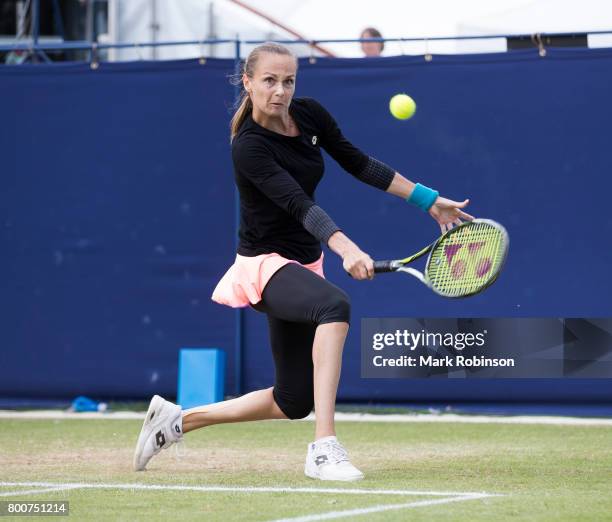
point(371, 49)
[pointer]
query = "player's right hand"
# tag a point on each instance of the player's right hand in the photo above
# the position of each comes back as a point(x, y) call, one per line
point(358, 264)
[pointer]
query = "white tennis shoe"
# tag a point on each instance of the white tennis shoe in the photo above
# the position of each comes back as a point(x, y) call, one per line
point(328, 460)
point(162, 427)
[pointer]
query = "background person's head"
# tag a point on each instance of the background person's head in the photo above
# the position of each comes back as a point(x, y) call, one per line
point(371, 48)
point(268, 78)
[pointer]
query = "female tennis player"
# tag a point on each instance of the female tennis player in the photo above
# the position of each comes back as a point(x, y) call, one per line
point(278, 270)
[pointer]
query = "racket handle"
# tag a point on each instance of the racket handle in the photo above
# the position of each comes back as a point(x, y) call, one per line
point(383, 266)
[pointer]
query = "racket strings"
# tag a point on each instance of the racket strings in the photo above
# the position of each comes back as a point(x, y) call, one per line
point(467, 260)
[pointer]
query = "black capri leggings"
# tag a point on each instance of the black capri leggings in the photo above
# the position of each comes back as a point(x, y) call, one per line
point(296, 301)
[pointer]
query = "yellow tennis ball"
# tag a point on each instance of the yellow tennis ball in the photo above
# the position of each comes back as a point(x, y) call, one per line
point(402, 106)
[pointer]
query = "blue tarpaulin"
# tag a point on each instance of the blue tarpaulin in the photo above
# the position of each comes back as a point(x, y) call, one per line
point(118, 212)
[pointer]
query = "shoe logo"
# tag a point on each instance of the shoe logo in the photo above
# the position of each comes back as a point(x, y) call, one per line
point(314, 140)
point(152, 414)
point(176, 428)
point(321, 459)
point(160, 440)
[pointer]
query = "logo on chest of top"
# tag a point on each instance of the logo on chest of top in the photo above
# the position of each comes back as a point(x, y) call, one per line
point(314, 140)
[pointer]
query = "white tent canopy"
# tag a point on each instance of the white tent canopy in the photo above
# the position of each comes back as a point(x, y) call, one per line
point(547, 16)
point(135, 20)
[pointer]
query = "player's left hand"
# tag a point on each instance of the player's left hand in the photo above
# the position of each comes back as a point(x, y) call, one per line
point(448, 212)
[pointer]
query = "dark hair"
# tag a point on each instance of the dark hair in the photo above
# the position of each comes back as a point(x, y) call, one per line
point(245, 105)
point(374, 33)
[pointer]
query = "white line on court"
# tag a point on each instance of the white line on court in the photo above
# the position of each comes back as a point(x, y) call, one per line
point(449, 496)
point(247, 489)
point(376, 509)
point(340, 417)
point(32, 491)
point(471, 419)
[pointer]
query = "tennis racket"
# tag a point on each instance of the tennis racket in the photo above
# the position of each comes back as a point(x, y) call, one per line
point(462, 262)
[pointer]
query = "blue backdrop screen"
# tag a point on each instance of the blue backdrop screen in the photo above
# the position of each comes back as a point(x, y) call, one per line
point(118, 212)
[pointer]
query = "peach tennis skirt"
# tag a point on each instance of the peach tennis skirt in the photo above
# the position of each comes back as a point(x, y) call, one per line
point(244, 282)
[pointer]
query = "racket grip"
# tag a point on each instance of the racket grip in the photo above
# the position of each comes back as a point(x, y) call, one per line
point(383, 266)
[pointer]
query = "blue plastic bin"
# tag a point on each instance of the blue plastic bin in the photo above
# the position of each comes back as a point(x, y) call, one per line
point(201, 376)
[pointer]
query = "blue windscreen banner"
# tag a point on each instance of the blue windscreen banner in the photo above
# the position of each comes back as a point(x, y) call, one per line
point(118, 214)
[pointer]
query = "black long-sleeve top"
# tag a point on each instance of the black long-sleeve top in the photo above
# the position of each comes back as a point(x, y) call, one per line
point(277, 176)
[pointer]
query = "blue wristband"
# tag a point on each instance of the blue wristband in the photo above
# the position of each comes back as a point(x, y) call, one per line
point(423, 197)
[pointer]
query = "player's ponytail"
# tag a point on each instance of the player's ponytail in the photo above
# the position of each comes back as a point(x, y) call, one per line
point(245, 106)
